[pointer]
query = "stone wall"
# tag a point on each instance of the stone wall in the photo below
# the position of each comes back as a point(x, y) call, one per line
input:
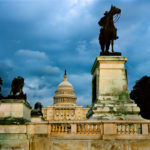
point(20, 142)
point(14, 108)
point(90, 145)
point(77, 135)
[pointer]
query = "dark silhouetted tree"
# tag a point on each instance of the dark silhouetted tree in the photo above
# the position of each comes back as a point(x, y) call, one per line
point(141, 95)
point(1, 82)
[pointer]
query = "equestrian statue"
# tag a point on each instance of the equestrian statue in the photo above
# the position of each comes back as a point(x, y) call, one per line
point(108, 32)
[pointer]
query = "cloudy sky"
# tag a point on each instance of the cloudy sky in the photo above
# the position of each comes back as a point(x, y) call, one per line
point(41, 38)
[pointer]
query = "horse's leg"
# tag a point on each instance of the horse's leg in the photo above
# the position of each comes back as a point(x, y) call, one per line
point(102, 45)
point(107, 46)
point(112, 44)
point(101, 39)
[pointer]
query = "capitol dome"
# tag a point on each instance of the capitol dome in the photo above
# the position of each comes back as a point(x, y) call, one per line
point(65, 94)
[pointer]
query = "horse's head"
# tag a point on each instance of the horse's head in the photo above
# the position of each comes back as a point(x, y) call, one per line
point(114, 10)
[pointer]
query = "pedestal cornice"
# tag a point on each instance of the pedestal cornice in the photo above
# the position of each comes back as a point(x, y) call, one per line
point(107, 58)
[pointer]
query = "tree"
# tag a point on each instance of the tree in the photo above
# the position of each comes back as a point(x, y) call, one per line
point(1, 82)
point(141, 95)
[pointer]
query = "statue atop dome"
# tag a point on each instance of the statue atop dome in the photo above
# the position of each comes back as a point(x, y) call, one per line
point(108, 32)
point(65, 75)
point(65, 72)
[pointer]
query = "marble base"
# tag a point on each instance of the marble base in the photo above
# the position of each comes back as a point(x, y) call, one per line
point(15, 108)
point(37, 119)
point(120, 111)
point(110, 54)
point(110, 95)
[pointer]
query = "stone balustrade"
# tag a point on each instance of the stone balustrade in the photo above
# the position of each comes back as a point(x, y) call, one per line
point(89, 128)
point(129, 128)
point(96, 129)
point(60, 128)
point(76, 127)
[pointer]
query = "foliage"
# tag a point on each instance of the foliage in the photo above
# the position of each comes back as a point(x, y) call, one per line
point(141, 95)
point(122, 110)
point(1, 82)
point(12, 121)
point(123, 96)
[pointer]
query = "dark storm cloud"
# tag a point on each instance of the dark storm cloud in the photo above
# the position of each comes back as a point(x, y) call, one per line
point(39, 39)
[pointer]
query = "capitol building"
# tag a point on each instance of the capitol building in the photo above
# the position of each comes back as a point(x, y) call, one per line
point(65, 104)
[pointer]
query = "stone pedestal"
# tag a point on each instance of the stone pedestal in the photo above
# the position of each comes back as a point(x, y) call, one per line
point(110, 95)
point(14, 110)
point(37, 119)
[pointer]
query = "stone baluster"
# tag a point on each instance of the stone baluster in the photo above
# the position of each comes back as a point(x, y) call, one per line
point(131, 129)
point(94, 128)
point(91, 128)
point(59, 128)
point(98, 128)
point(86, 129)
point(66, 128)
point(122, 129)
point(135, 128)
point(82, 128)
point(126, 129)
point(62, 127)
point(119, 128)
point(55, 128)
point(78, 128)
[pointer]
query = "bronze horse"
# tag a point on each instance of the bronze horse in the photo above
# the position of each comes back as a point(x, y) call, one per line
point(108, 32)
